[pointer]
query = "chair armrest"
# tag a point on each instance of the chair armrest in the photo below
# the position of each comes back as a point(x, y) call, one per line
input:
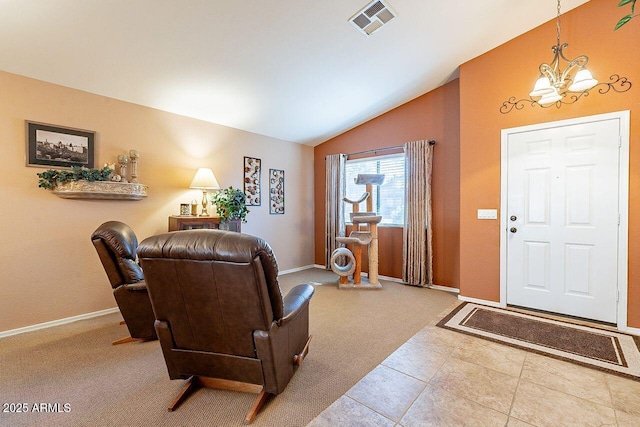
point(294, 302)
point(140, 286)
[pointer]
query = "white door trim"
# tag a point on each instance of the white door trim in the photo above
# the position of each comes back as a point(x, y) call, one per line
point(623, 204)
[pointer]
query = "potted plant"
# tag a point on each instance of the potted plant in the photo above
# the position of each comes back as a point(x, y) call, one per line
point(230, 204)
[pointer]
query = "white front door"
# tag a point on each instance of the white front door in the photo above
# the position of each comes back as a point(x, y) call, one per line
point(562, 218)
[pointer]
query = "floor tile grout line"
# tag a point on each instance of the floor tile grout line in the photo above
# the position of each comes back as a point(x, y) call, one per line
point(513, 399)
point(613, 405)
point(412, 402)
point(411, 376)
point(370, 408)
point(569, 394)
point(471, 400)
point(374, 410)
point(429, 383)
point(605, 375)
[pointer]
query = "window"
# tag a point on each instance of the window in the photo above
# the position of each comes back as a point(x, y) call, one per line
point(388, 198)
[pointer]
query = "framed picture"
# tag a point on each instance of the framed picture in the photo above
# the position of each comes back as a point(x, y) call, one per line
point(49, 145)
point(276, 191)
point(252, 169)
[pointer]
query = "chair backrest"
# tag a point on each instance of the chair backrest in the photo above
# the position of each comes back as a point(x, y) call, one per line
point(213, 288)
point(116, 244)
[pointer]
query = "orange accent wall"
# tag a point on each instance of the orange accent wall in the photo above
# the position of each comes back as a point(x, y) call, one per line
point(434, 115)
point(511, 70)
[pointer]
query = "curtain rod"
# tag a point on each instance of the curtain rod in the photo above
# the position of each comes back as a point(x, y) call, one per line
point(431, 142)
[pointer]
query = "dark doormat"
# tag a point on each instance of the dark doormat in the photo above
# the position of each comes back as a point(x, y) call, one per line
point(608, 351)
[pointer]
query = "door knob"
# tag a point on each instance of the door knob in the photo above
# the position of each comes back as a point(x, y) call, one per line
point(513, 229)
point(513, 217)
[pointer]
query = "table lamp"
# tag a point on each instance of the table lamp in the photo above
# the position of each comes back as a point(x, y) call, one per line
point(204, 180)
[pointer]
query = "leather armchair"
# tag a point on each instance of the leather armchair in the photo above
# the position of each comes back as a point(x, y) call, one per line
point(116, 244)
point(221, 318)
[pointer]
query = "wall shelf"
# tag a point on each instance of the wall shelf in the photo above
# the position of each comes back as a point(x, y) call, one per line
point(105, 190)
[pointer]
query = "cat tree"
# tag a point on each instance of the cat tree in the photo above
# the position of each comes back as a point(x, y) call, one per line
point(365, 234)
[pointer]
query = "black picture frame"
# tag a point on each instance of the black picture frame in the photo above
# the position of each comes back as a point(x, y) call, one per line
point(50, 145)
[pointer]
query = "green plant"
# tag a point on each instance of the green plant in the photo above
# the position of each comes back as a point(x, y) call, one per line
point(52, 177)
point(230, 204)
point(628, 17)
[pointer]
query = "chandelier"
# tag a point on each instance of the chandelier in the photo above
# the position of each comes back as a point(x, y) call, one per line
point(557, 86)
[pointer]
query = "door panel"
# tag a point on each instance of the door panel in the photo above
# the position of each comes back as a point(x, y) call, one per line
point(562, 187)
point(537, 265)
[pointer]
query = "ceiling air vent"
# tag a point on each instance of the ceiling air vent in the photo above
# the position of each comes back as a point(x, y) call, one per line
point(372, 17)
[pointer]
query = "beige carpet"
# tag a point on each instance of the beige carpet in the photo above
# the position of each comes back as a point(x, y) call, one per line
point(74, 367)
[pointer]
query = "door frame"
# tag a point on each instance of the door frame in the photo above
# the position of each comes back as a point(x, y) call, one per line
point(623, 202)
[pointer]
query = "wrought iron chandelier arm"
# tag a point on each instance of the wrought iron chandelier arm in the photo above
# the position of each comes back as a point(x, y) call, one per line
point(577, 62)
point(549, 72)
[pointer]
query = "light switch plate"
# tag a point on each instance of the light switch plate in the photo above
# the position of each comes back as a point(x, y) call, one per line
point(487, 214)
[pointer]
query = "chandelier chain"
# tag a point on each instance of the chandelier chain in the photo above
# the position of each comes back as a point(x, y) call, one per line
point(558, 25)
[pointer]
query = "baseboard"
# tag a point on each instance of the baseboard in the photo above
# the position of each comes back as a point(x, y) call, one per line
point(388, 278)
point(436, 287)
point(480, 301)
point(293, 270)
point(57, 322)
point(397, 280)
point(444, 288)
point(632, 331)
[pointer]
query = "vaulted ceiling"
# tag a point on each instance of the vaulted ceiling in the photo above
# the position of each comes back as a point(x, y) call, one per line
point(296, 70)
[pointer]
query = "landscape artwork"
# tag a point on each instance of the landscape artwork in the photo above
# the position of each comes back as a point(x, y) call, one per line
point(49, 145)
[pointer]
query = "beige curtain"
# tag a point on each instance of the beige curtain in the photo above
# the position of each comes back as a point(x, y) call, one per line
point(334, 209)
point(417, 253)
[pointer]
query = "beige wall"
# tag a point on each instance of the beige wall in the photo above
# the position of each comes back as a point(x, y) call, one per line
point(49, 269)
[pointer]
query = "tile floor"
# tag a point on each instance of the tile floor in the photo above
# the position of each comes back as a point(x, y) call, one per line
point(444, 378)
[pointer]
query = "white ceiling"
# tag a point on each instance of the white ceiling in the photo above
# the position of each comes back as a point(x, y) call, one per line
point(291, 69)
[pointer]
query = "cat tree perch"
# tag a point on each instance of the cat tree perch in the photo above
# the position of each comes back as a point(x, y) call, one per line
point(366, 234)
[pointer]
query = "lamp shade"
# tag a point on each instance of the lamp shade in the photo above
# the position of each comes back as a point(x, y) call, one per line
point(583, 81)
point(542, 87)
point(550, 98)
point(205, 180)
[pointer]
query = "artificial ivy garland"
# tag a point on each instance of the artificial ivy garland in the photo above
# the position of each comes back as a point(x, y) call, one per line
point(50, 178)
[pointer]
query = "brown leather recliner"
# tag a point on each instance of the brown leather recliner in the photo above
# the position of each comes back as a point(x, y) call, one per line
point(221, 318)
point(116, 244)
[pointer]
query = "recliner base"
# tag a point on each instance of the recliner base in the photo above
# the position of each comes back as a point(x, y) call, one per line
point(127, 340)
point(195, 382)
